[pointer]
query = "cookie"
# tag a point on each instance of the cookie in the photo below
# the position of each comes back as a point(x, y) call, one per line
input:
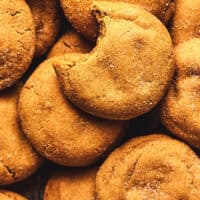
point(7, 195)
point(70, 42)
point(47, 18)
point(186, 21)
point(17, 158)
point(17, 41)
point(150, 167)
point(180, 109)
point(128, 71)
point(58, 130)
point(64, 185)
point(79, 13)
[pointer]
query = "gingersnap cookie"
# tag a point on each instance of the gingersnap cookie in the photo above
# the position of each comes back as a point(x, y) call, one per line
point(64, 185)
point(7, 195)
point(186, 21)
point(58, 130)
point(181, 107)
point(47, 18)
point(150, 167)
point(128, 71)
point(70, 42)
point(79, 13)
point(17, 158)
point(17, 40)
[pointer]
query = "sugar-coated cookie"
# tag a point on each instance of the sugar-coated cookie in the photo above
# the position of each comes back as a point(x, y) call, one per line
point(47, 18)
point(79, 13)
point(7, 195)
point(181, 107)
point(151, 167)
point(18, 160)
point(17, 40)
point(58, 130)
point(128, 71)
point(76, 184)
point(186, 21)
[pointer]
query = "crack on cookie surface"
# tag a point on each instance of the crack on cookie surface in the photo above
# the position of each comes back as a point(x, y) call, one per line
point(10, 171)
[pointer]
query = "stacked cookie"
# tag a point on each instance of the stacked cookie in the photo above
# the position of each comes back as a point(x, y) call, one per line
point(180, 110)
point(74, 102)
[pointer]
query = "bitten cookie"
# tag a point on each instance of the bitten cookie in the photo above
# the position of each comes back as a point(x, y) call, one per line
point(79, 13)
point(186, 21)
point(128, 71)
point(58, 130)
point(17, 40)
point(70, 42)
point(7, 195)
point(77, 184)
point(17, 158)
point(47, 17)
point(150, 167)
point(181, 106)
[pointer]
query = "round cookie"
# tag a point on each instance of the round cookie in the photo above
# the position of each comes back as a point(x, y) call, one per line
point(70, 42)
point(7, 195)
point(17, 41)
point(150, 167)
point(47, 18)
point(186, 21)
point(58, 130)
point(128, 71)
point(64, 185)
point(181, 107)
point(17, 158)
point(79, 13)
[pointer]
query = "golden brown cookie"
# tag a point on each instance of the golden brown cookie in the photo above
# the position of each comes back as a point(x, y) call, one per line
point(47, 17)
point(128, 71)
point(7, 195)
point(154, 167)
point(79, 13)
point(181, 107)
point(70, 42)
point(186, 22)
point(58, 130)
point(17, 40)
point(77, 184)
point(17, 158)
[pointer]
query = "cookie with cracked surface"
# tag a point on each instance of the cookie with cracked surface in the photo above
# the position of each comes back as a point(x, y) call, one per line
point(180, 109)
point(79, 13)
point(46, 14)
point(13, 144)
point(8, 195)
point(58, 130)
point(17, 41)
point(128, 77)
point(150, 167)
point(70, 42)
point(186, 21)
point(64, 185)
